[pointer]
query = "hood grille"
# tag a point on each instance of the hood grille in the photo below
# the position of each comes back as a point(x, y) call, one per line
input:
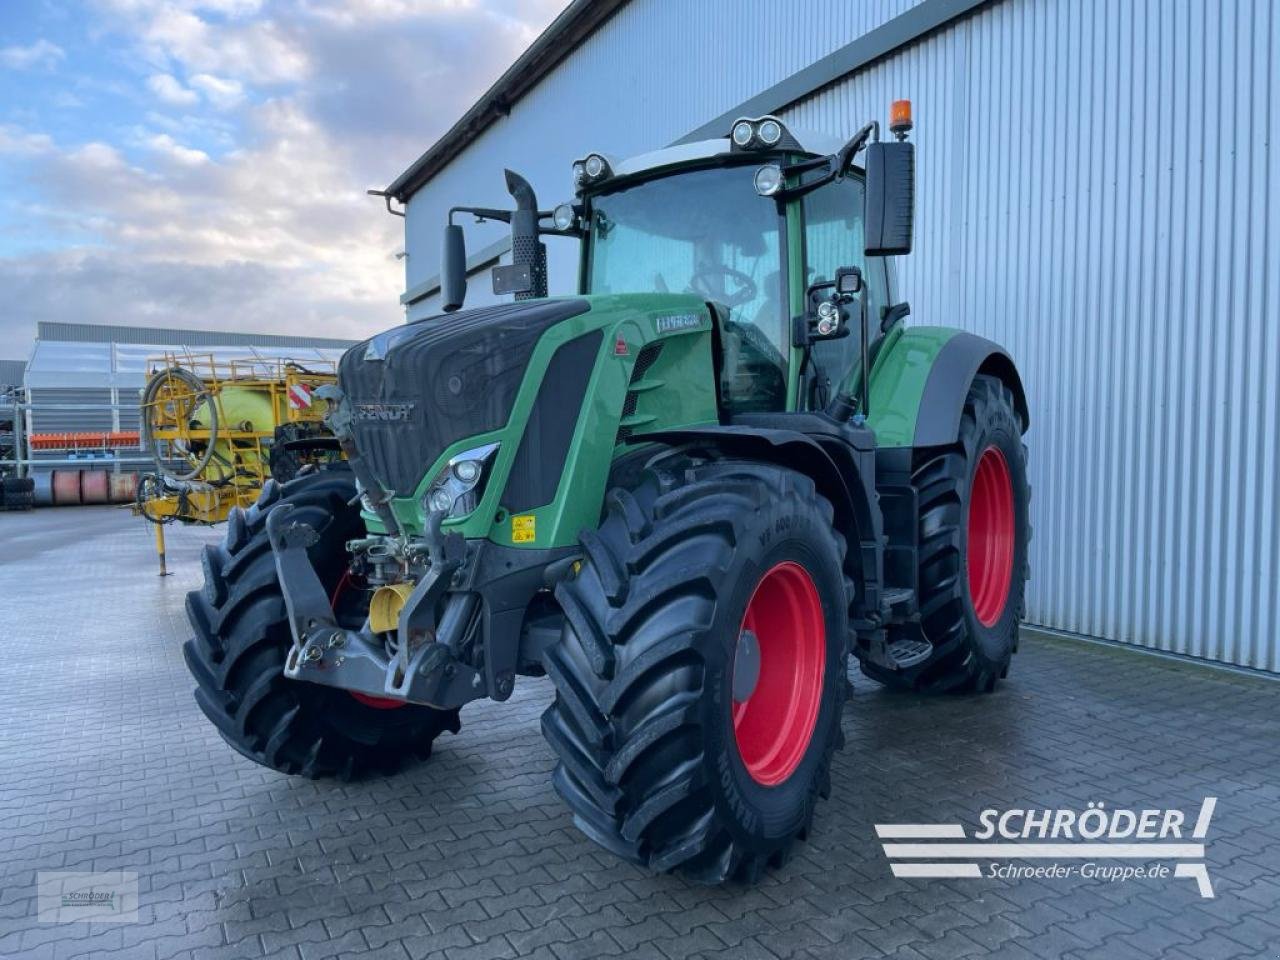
point(417, 389)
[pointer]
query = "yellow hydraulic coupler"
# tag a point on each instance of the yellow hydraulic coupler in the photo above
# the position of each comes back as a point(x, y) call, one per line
point(385, 607)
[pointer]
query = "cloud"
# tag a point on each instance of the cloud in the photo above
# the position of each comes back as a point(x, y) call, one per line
point(257, 51)
point(170, 91)
point(92, 286)
point(15, 141)
point(42, 53)
point(167, 147)
point(223, 94)
point(234, 196)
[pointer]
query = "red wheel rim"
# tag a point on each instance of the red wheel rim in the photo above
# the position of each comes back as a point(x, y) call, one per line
point(992, 535)
point(774, 724)
point(378, 703)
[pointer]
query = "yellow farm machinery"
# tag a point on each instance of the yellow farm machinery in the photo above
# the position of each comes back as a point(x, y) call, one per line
point(218, 429)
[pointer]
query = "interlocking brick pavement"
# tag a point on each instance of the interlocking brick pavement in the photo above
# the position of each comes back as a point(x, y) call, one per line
point(106, 764)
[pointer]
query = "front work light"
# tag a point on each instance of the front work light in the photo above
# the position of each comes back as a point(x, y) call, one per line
point(456, 490)
point(590, 170)
point(563, 216)
point(758, 133)
point(768, 180)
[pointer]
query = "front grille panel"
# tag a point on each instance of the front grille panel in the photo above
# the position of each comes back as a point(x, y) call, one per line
point(539, 462)
point(439, 380)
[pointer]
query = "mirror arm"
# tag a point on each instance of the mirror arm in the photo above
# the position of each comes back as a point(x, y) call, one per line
point(837, 164)
point(844, 157)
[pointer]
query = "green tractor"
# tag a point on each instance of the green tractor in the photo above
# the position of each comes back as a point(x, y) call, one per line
point(686, 494)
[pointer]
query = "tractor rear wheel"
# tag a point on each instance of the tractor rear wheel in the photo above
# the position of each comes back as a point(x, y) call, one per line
point(242, 637)
point(973, 533)
point(700, 673)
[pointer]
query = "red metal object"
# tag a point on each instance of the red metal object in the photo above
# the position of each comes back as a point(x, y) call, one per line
point(66, 488)
point(94, 487)
point(378, 703)
point(84, 440)
point(992, 535)
point(774, 725)
point(122, 487)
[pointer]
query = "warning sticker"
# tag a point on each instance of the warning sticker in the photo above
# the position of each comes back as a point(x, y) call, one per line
point(524, 528)
point(300, 395)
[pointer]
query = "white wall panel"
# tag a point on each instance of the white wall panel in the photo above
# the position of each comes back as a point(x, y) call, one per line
point(1098, 191)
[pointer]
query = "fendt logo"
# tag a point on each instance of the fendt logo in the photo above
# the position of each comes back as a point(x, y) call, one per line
point(383, 411)
point(1078, 840)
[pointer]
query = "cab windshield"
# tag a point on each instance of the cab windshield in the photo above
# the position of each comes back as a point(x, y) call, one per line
point(704, 232)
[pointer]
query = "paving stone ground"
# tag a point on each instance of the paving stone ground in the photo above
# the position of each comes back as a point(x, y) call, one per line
point(106, 764)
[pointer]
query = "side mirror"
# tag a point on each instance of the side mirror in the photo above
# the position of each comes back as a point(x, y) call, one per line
point(890, 206)
point(453, 269)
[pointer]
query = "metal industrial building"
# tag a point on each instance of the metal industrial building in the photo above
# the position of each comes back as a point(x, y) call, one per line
point(1097, 191)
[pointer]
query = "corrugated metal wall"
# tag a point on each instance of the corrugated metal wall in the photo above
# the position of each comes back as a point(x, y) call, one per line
point(44, 418)
point(1099, 192)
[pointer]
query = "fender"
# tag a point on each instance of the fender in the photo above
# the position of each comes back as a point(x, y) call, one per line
point(919, 381)
point(842, 472)
point(962, 358)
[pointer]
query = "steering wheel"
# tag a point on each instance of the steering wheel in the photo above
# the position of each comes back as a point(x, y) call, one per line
point(703, 283)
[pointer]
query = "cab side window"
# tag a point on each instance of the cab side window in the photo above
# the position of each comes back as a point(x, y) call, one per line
point(833, 238)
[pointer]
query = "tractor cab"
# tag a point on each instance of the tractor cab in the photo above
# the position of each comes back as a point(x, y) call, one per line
point(759, 224)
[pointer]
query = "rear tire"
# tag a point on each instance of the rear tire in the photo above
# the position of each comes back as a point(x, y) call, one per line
point(659, 757)
point(242, 637)
point(973, 534)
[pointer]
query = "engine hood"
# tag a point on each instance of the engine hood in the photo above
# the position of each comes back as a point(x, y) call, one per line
point(418, 388)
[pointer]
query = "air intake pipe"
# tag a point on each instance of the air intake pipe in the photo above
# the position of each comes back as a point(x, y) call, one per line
point(526, 248)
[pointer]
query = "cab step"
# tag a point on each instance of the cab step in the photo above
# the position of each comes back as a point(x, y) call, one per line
point(897, 604)
point(906, 653)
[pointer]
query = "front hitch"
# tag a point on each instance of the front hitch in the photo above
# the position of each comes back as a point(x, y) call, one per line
point(424, 668)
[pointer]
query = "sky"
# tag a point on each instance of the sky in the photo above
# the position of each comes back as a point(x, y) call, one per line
point(203, 163)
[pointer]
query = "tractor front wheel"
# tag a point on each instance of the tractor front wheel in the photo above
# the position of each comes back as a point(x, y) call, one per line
point(242, 637)
point(700, 674)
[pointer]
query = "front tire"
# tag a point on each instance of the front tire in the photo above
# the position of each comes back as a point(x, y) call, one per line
point(242, 637)
point(973, 534)
point(669, 754)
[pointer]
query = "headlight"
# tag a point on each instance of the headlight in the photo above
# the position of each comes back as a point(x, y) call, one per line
point(828, 318)
point(563, 216)
point(758, 133)
point(589, 170)
point(768, 180)
point(456, 489)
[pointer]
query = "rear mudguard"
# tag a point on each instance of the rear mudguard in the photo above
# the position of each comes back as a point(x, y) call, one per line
point(919, 381)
